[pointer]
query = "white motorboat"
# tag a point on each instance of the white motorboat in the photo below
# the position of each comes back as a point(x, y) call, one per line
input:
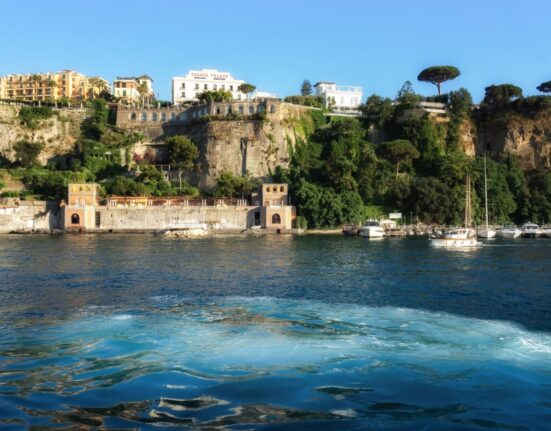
point(546, 232)
point(371, 229)
point(485, 231)
point(510, 231)
point(531, 230)
point(455, 237)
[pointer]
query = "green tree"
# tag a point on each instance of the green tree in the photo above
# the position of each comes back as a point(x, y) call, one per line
point(398, 151)
point(230, 185)
point(27, 152)
point(461, 102)
point(306, 88)
point(544, 87)
point(246, 88)
point(182, 154)
point(501, 95)
point(215, 96)
point(438, 74)
point(406, 95)
point(377, 111)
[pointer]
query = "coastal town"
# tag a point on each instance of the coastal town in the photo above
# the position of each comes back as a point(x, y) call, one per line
point(198, 96)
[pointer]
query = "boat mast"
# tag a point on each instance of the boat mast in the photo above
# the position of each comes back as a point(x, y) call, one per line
point(485, 191)
point(468, 201)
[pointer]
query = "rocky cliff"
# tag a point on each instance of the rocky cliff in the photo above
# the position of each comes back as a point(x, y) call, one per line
point(526, 136)
point(58, 133)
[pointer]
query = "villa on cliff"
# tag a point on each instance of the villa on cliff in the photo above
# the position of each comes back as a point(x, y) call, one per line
point(86, 211)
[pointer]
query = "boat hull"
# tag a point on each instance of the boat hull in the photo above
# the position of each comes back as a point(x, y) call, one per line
point(454, 242)
point(509, 233)
point(486, 233)
point(372, 233)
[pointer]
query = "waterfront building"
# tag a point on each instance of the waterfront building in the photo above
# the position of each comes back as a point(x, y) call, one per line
point(188, 87)
point(276, 213)
point(133, 89)
point(79, 211)
point(66, 84)
point(339, 98)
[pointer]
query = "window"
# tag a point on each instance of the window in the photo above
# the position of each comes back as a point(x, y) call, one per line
point(172, 116)
point(206, 86)
point(214, 87)
point(154, 116)
point(281, 189)
point(272, 109)
point(276, 219)
point(183, 85)
point(183, 116)
point(98, 219)
point(241, 109)
point(251, 109)
point(75, 219)
point(133, 116)
point(143, 116)
point(197, 86)
point(223, 87)
point(231, 87)
point(183, 94)
point(123, 93)
point(163, 116)
point(268, 189)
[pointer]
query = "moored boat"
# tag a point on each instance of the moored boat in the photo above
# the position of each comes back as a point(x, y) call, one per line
point(371, 229)
point(510, 231)
point(531, 230)
point(485, 231)
point(546, 232)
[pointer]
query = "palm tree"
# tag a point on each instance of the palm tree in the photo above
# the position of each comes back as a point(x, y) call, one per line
point(143, 89)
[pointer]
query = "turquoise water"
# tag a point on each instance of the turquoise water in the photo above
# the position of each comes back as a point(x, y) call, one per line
point(273, 333)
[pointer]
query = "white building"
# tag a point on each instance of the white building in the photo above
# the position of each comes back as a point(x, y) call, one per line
point(187, 88)
point(261, 95)
point(345, 99)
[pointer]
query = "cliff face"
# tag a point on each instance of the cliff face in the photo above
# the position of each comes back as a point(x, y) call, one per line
point(529, 138)
point(58, 133)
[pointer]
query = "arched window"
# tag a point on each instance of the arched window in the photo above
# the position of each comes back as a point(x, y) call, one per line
point(281, 189)
point(143, 116)
point(251, 109)
point(75, 219)
point(133, 116)
point(163, 116)
point(241, 109)
point(276, 219)
point(153, 116)
point(173, 116)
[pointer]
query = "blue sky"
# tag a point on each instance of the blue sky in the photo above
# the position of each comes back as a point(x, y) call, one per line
point(277, 44)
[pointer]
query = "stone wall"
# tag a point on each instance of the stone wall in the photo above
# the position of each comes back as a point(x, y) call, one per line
point(150, 218)
point(27, 216)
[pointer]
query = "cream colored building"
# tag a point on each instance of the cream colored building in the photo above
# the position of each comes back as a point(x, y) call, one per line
point(66, 84)
point(127, 89)
point(187, 88)
point(275, 212)
point(79, 213)
point(345, 99)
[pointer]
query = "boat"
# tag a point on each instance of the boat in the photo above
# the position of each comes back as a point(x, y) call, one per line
point(458, 237)
point(546, 232)
point(350, 230)
point(485, 231)
point(371, 229)
point(530, 230)
point(509, 231)
point(455, 237)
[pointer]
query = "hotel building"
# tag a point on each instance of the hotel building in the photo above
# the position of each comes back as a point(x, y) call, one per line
point(127, 88)
point(344, 99)
point(186, 88)
point(66, 84)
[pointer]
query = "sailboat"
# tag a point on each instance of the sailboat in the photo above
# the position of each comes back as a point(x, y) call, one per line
point(485, 231)
point(459, 237)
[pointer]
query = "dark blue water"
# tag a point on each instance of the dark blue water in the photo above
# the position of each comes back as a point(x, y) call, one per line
point(273, 333)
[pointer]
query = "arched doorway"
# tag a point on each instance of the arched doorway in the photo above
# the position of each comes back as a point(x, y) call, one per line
point(75, 219)
point(276, 219)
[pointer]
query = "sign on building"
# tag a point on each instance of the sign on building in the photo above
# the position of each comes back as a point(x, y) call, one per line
point(395, 216)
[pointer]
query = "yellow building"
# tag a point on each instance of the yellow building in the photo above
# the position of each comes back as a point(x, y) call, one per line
point(66, 84)
point(79, 211)
point(276, 213)
point(133, 89)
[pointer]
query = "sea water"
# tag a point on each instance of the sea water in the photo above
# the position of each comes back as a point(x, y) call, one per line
point(273, 333)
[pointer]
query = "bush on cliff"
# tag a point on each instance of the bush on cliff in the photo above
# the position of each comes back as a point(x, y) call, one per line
point(31, 116)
